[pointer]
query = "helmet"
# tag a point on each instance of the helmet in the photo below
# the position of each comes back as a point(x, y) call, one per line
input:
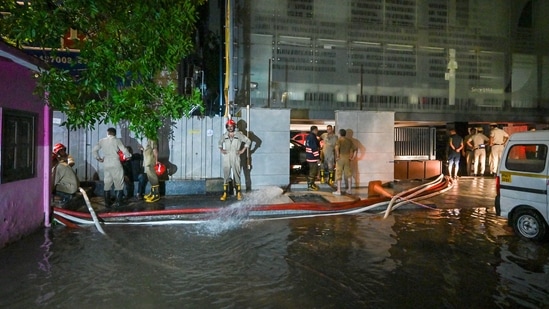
point(58, 147)
point(230, 122)
point(122, 157)
point(159, 169)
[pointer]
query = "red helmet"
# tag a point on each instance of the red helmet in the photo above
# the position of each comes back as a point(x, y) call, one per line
point(230, 122)
point(58, 147)
point(159, 169)
point(122, 156)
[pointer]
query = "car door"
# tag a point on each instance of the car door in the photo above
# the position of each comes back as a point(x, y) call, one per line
point(523, 176)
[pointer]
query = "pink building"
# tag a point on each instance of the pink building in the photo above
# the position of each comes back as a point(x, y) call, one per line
point(25, 145)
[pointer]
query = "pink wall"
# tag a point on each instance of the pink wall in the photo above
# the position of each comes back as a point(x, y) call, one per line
point(24, 204)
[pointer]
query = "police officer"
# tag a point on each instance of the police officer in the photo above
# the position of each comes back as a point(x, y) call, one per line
point(478, 143)
point(498, 138)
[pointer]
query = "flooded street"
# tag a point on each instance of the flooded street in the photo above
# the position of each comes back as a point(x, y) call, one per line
point(414, 259)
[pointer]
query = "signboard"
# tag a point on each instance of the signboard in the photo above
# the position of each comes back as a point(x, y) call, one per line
point(63, 59)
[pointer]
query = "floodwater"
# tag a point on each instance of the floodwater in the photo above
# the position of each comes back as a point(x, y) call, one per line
point(414, 259)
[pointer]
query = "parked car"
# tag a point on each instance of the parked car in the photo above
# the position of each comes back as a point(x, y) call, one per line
point(521, 184)
point(301, 137)
point(298, 158)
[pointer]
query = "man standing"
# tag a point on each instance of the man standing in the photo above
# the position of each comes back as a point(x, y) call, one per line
point(150, 159)
point(498, 138)
point(455, 144)
point(312, 150)
point(230, 145)
point(113, 173)
point(478, 143)
point(328, 155)
point(468, 152)
point(345, 151)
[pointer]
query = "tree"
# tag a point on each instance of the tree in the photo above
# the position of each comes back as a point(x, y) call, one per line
point(130, 51)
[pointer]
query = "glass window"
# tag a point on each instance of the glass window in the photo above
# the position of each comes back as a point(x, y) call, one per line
point(18, 146)
point(526, 158)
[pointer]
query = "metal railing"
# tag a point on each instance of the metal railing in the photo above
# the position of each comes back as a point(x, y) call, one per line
point(415, 143)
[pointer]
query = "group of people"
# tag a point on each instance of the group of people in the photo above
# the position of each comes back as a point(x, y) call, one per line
point(336, 152)
point(122, 168)
point(473, 147)
point(334, 158)
point(115, 157)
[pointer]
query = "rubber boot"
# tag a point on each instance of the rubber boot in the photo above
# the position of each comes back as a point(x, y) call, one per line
point(119, 194)
point(225, 190)
point(312, 187)
point(322, 180)
point(107, 197)
point(155, 195)
point(238, 194)
point(331, 178)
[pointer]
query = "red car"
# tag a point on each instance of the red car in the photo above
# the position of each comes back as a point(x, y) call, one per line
point(301, 137)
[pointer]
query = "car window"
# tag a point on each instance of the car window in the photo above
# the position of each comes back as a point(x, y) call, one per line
point(526, 158)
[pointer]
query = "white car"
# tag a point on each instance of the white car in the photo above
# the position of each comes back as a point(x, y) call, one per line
point(522, 184)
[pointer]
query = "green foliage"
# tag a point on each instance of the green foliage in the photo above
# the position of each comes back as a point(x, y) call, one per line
point(129, 48)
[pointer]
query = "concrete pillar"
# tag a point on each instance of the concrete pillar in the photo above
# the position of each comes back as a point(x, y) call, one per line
point(373, 134)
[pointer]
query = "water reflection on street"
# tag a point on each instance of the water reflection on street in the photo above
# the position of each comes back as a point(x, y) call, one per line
point(413, 259)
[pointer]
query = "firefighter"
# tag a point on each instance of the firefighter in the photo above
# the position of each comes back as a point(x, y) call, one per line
point(231, 148)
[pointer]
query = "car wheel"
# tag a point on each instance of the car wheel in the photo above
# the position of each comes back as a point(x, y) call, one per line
point(529, 224)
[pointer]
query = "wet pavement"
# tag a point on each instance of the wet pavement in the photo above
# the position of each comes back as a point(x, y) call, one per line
point(465, 192)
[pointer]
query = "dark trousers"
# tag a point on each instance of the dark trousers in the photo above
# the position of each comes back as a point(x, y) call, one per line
point(313, 171)
point(142, 179)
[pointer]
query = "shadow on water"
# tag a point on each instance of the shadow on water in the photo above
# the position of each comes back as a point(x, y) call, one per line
point(414, 259)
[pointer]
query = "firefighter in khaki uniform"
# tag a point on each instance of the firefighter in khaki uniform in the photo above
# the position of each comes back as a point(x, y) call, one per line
point(114, 173)
point(150, 159)
point(230, 145)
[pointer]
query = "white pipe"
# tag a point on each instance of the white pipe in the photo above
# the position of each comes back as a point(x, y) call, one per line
point(92, 212)
point(390, 206)
point(426, 196)
point(415, 190)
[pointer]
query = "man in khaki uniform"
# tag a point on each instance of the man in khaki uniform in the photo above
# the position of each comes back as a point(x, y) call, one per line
point(478, 143)
point(498, 138)
point(230, 145)
point(113, 173)
point(328, 155)
point(64, 181)
point(150, 158)
point(345, 151)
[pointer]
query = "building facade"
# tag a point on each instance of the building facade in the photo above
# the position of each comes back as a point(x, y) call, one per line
point(428, 60)
point(25, 151)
